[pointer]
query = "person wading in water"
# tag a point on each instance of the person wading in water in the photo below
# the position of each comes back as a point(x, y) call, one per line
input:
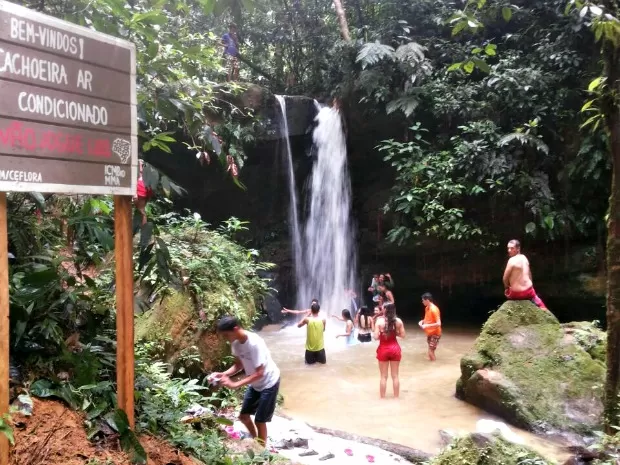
point(315, 340)
point(518, 277)
point(305, 311)
point(387, 328)
point(431, 324)
point(365, 324)
point(349, 327)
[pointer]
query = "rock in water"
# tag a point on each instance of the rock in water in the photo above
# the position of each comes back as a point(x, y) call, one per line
point(482, 449)
point(526, 370)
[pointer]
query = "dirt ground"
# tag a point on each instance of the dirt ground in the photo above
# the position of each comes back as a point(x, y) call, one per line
point(54, 435)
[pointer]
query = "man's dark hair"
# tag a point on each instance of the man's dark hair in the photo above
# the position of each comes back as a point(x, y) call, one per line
point(315, 307)
point(314, 301)
point(427, 296)
point(516, 243)
point(232, 25)
point(228, 323)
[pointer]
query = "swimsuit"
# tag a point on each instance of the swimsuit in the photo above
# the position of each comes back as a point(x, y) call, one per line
point(528, 294)
point(389, 349)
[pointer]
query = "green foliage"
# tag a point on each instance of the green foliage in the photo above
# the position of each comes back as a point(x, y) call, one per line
point(178, 66)
point(428, 185)
point(185, 250)
point(472, 450)
point(119, 422)
point(6, 429)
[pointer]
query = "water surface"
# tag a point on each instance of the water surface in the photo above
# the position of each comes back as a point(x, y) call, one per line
point(344, 394)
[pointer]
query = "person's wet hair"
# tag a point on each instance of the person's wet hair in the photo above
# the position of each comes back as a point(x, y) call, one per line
point(390, 317)
point(315, 307)
point(228, 323)
point(346, 314)
point(515, 243)
point(427, 296)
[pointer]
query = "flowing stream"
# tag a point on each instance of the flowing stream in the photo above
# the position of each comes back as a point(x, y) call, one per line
point(323, 250)
point(344, 394)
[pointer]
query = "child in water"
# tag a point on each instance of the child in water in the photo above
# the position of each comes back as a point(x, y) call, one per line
point(349, 327)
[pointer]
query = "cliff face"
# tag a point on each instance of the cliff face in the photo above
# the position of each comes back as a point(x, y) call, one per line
point(456, 272)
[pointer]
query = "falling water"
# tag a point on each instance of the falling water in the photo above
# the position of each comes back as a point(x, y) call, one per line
point(329, 258)
point(324, 256)
point(293, 217)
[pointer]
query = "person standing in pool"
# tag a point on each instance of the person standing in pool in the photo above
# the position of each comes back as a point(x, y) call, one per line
point(305, 311)
point(349, 327)
point(364, 325)
point(387, 328)
point(315, 336)
point(431, 324)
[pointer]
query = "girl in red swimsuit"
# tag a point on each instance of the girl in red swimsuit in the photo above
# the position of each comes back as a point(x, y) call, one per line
point(387, 328)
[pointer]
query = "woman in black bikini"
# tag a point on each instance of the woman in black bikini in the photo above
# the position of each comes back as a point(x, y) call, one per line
point(365, 325)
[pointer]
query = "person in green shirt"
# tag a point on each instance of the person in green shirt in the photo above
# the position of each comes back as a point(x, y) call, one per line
point(315, 341)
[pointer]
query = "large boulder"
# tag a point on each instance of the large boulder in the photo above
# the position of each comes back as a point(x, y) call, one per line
point(535, 373)
point(482, 449)
point(174, 333)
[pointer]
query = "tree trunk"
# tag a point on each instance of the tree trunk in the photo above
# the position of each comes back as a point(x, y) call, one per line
point(612, 117)
point(342, 20)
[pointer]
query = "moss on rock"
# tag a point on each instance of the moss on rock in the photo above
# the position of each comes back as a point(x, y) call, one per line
point(527, 370)
point(176, 337)
point(479, 449)
point(219, 277)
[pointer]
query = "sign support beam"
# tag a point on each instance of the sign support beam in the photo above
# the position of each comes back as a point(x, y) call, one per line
point(4, 325)
point(124, 305)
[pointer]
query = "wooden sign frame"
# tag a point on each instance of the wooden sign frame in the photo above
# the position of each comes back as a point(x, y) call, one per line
point(70, 159)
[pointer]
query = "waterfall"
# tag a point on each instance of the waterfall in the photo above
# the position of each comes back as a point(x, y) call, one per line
point(293, 216)
point(329, 255)
point(325, 258)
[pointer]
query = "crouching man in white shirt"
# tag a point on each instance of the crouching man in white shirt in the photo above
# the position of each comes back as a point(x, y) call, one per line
point(262, 376)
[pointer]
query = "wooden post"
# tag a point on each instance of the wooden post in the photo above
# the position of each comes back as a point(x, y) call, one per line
point(4, 326)
point(124, 305)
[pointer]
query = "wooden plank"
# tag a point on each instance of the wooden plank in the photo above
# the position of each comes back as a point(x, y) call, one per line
point(21, 174)
point(32, 103)
point(21, 64)
point(124, 305)
point(4, 325)
point(42, 32)
point(29, 139)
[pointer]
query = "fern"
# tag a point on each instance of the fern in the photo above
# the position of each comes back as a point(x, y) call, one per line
point(372, 53)
point(525, 139)
point(412, 53)
point(369, 80)
point(406, 104)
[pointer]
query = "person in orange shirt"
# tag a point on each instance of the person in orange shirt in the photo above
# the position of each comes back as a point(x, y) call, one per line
point(431, 324)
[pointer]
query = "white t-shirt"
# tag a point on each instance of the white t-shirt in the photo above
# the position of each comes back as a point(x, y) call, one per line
point(253, 353)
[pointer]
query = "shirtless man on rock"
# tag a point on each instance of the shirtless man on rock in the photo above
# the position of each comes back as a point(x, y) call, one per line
point(518, 276)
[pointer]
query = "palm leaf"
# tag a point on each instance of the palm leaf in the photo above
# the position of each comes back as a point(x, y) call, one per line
point(406, 104)
point(524, 139)
point(411, 53)
point(372, 53)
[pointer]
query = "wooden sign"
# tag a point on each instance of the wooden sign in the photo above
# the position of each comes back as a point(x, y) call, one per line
point(68, 119)
point(68, 124)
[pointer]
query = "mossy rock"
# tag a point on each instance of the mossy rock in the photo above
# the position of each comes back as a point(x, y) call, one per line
point(527, 369)
point(174, 328)
point(481, 449)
